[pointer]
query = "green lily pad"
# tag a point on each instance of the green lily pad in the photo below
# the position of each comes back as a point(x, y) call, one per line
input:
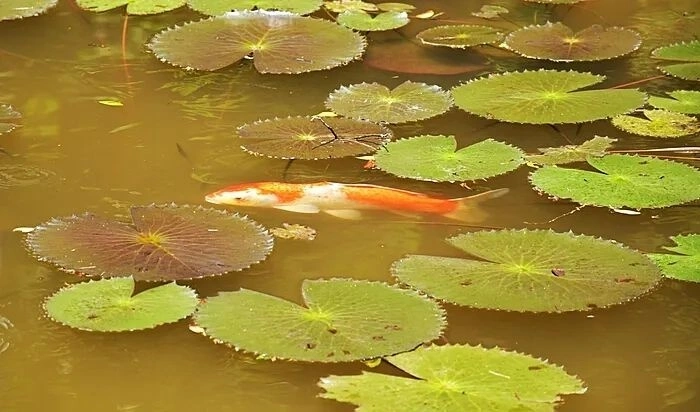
point(660, 123)
point(460, 36)
point(109, 305)
point(19, 9)
point(557, 42)
point(340, 6)
point(163, 243)
point(407, 102)
point(685, 265)
point(8, 118)
point(531, 271)
point(218, 7)
point(312, 138)
point(490, 11)
point(686, 52)
point(132, 6)
point(279, 42)
point(544, 97)
point(436, 159)
point(622, 181)
point(395, 7)
point(682, 101)
point(345, 320)
point(572, 153)
point(457, 378)
point(363, 21)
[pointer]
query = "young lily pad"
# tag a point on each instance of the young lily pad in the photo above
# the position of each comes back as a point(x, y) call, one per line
point(279, 42)
point(658, 123)
point(490, 11)
point(572, 153)
point(682, 266)
point(363, 21)
point(344, 320)
point(19, 9)
point(407, 102)
point(531, 271)
point(557, 42)
point(682, 101)
point(8, 118)
point(340, 6)
point(109, 305)
point(544, 97)
point(686, 52)
point(457, 378)
point(163, 243)
point(311, 138)
point(132, 6)
point(395, 7)
point(460, 36)
point(436, 159)
point(218, 7)
point(622, 181)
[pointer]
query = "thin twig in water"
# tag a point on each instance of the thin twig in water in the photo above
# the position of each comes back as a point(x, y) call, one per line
point(561, 133)
point(570, 212)
point(350, 139)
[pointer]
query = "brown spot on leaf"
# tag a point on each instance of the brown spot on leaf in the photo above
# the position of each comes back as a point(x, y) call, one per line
point(392, 327)
point(310, 345)
point(332, 330)
point(379, 337)
point(534, 368)
point(558, 272)
point(465, 283)
point(624, 280)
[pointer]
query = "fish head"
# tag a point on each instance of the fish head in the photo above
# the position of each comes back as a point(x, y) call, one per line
point(243, 195)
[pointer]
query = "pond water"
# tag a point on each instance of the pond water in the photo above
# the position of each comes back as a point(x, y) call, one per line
point(174, 140)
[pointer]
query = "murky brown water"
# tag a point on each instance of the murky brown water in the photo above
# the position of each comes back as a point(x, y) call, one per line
point(85, 156)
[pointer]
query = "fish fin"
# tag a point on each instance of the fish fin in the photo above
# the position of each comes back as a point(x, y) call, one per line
point(469, 208)
point(349, 214)
point(299, 208)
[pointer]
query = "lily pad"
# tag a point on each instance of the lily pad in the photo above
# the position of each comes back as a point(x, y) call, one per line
point(345, 320)
point(363, 21)
point(490, 11)
point(557, 42)
point(622, 181)
point(163, 243)
point(19, 9)
point(217, 7)
point(460, 36)
point(312, 138)
point(8, 118)
point(407, 102)
point(132, 6)
point(294, 231)
point(572, 153)
point(685, 265)
point(109, 305)
point(457, 378)
point(686, 52)
point(544, 97)
point(436, 159)
point(658, 123)
point(531, 271)
point(340, 6)
point(682, 101)
point(279, 42)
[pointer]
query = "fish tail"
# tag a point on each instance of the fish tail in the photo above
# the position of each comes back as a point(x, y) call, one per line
point(469, 208)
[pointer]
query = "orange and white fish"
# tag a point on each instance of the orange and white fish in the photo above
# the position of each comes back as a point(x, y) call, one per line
point(346, 200)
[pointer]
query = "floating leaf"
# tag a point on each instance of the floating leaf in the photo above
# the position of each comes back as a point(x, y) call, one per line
point(686, 264)
point(344, 320)
point(623, 181)
point(544, 96)
point(8, 118)
point(363, 21)
point(685, 52)
point(217, 7)
point(436, 159)
point(457, 378)
point(340, 6)
point(557, 42)
point(572, 153)
point(19, 174)
point(531, 271)
point(660, 123)
point(164, 243)
point(407, 102)
point(113, 103)
point(395, 7)
point(311, 138)
point(683, 101)
point(297, 232)
point(490, 11)
point(279, 42)
point(109, 305)
point(460, 36)
point(19, 9)
point(132, 6)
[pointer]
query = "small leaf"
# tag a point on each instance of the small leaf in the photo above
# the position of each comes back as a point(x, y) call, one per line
point(685, 265)
point(113, 103)
point(19, 9)
point(132, 6)
point(660, 123)
point(686, 52)
point(682, 101)
point(460, 36)
point(430, 14)
point(395, 7)
point(363, 21)
point(490, 11)
point(218, 7)
point(572, 153)
point(293, 231)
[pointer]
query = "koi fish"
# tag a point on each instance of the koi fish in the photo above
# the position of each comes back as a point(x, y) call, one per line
point(346, 200)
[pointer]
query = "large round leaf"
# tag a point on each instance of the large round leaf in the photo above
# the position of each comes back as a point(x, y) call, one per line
point(132, 6)
point(312, 138)
point(685, 265)
point(407, 102)
point(163, 243)
point(556, 41)
point(460, 36)
point(658, 123)
point(217, 7)
point(19, 9)
point(344, 320)
point(8, 118)
point(363, 21)
point(279, 42)
point(531, 270)
point(436, 158)
point(686, 52)
point(544, 96)
point(572, 153)
point(681, 101)
point(109, 305)
point(457, 378)
point(623, 181)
